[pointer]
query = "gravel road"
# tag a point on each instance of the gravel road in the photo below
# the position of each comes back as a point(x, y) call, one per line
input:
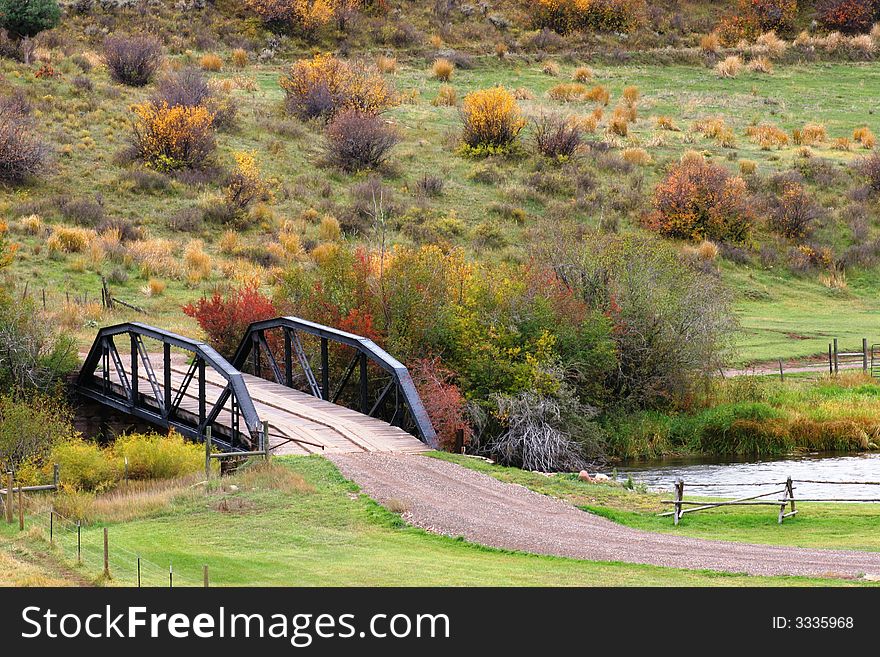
point(445, 498)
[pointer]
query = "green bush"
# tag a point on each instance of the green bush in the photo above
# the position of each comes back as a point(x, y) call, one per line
point(27, 18)
point(154, 456)
point(85, 466)
point(29, 428)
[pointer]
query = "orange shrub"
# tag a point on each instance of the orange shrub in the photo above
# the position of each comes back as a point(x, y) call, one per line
point(300, 14)
point(583, 74)
point(239, 58)
point(564, 16)
point(865, 137)
point(567, 92)
point(169, 138)
point(767, 136)
point(324, 85)
point(492, 120)
point(699, 200)
point(598, 94)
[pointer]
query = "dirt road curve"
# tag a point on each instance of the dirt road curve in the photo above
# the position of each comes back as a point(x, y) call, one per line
point(444, 498)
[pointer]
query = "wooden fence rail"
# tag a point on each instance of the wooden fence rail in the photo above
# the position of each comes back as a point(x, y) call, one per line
point(787, 497)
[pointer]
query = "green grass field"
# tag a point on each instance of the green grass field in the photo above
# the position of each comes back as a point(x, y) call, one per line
point(325, 534)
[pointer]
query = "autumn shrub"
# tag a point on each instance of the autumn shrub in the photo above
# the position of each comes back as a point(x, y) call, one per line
point(737, 27)
point(598, 94)
point(23, 154)
point(556, 136)
point(700, 200)
point(442, 69)
point(244, 184)
point(168, 138)
point(67, 239)
point(444, 402)
point(225, 318)
point(491, 121)
point(132, 60)
point(303, 16)
point(386, 64)
point(83, 465)
point(710, 43)
point(583, 74)
point(357, 141)
point(324, 85)
point(565, 16)
point(778, 15)
point(869, 167)
point(846, 16)
point(794, 213)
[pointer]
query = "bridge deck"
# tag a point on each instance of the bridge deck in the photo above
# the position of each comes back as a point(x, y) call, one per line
point(298, 422)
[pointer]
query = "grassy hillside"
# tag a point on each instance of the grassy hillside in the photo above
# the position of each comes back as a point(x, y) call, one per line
point(301, 523)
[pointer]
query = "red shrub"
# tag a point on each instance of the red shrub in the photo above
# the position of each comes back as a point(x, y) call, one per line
point(778, 15)
point(225, 319)
point(701, 200)
point(443, 401)
point(847, 16)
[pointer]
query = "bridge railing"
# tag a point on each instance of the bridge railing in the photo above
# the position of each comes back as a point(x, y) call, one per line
point(136, 390)
point(395, 400)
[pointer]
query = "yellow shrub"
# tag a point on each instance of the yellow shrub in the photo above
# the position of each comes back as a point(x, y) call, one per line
point(211, 62)
point(155, 257)
point(85, 466)
point(598, 94)
point(435, 41)
point(230, 243)
point(329, 230)
point(69, 239)
point(442, 69)
point(348, 86)
point(169, 138)
point(245, 183)
point(446, 96)
point(492, 120)
point(567, 92)
point(583, 74)
point(154, 456)
point(239, 58)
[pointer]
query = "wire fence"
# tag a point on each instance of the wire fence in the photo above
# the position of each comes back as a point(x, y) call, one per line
point(84, 549)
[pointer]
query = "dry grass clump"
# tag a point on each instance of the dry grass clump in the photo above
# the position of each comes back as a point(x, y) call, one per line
point(707, 251)
point(211, 62)
point(666, 123)
point(583, 74)
point(386, 64)
point(618, 125)
point(803, 39)
point(864, 43)
point(239, 58)
point(589, 123)
point(748, 167)
point(865, 137)
point(270, 475)
point(69, 239)
point(155, 257)
point(715, 128)
point(230, 243)
point(154, 288)
point(710, 43)
point(812, 134)
point(442, 69)
point(31, 225)
point(446, 96)
point(501, 50)
point(834, 279)
point(767, 136)
point(761, 64)
point(830, 42)
point(521, 93)
point(729, 67)
point(842, 144)
point(196, 262)
point(631, 95)
point(771, 44)
point(598, 94)
point(637, 156)
point(567, 92)
point(550, 68)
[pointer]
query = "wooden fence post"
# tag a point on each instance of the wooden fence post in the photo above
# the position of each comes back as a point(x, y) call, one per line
point(781, 374)
point(836, 362)
point(679, 495)
point(830, 360)
point(56, 475)
point(106, 555)
point(459, 441)
point(51, 525)
point(20, 509)
point(9, 497)
point(205, 574)
point(265, 444)
point(865, 355)
point(79, 543)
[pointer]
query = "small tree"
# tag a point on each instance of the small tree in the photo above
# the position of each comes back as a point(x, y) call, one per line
point(357, 141)
point(27, 18)
point(226, 318)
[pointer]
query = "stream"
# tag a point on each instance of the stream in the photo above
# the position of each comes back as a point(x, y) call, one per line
point(726, 478)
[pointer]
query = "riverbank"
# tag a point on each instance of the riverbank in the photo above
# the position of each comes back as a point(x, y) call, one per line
point(832, 526)
point(759, 417)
